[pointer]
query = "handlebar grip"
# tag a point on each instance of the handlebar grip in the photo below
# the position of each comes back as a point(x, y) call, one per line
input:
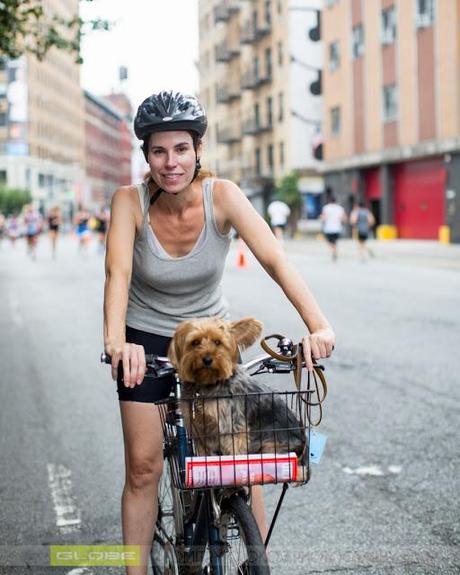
point(106, 358)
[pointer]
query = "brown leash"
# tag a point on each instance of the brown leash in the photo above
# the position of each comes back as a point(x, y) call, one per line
point(319, 385)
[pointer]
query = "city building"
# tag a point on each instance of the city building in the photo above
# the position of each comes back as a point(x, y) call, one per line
point(108, 146)
point(42, 123)
point(392, 112)
point(121, 101)
point(260, 81)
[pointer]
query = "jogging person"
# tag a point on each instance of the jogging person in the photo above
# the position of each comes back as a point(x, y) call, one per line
point(362, 220)
point(333, 217)
point(166, 247)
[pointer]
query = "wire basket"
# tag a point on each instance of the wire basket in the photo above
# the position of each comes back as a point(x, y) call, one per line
point(233, 440)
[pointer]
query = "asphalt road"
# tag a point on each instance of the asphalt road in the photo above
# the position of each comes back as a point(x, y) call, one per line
point(383, 500)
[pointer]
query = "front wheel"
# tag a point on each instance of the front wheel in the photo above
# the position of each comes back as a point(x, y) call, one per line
point(164, 555)
point(243, 551)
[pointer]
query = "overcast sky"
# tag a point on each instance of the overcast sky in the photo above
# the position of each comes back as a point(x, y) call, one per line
point(156, 39)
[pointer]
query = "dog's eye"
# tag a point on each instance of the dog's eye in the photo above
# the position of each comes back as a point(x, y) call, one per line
point(217, 342)
point(195, 342)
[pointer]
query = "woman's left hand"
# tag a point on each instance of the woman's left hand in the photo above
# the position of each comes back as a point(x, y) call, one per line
point(317, 345)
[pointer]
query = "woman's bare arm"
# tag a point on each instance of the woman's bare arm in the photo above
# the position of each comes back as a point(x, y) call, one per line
point(118, 268)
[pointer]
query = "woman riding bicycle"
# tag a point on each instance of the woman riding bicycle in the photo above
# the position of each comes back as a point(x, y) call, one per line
point(166, 248)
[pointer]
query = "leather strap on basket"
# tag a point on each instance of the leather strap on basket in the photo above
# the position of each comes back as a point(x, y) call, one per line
point(319, 380)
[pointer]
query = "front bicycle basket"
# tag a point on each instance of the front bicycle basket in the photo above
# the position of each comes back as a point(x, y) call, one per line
point(233, 440)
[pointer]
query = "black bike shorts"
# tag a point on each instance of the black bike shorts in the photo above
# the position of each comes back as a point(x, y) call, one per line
point(152, 388)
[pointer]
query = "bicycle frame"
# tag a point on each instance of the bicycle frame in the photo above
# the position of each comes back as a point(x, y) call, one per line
point(201, 525)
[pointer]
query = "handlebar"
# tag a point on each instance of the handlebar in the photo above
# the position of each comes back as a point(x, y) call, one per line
point(157, 365)
point(160, 366)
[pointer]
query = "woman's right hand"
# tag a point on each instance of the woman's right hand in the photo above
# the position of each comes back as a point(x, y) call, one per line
point(132, 358)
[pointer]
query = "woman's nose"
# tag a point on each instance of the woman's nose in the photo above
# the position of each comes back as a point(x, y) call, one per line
point(171, 159)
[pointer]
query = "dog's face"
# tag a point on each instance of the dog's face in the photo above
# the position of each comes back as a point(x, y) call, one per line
point(205, 351)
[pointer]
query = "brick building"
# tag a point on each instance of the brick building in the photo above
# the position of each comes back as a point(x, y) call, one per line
point(107, 149)
point(392, 112)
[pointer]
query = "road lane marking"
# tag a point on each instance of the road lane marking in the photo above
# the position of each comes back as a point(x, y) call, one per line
point(15, 313)
point(372, 470)
point(68, 516)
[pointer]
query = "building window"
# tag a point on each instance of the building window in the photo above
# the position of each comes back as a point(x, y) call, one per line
point(3, 118)
point(3, 177)
point(269, 112)
point(358, 41)
point(280, 53)
point(389, 25)
point(390, 103)
point(282, 155)
point(334, 56)
point(258, 166)
point(425, 13)
point(270, 159)
point(335, 121)
point(268, 12)
point(268, 62)
point(280, 6)
point(257, 115)
point(280, 107)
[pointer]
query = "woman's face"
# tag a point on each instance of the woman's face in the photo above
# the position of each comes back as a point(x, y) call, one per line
point(172, 160)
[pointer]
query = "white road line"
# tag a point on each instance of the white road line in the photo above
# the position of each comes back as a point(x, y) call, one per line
point(68, 516)
point(80, 571)
point(15, 313)
point(372, 470)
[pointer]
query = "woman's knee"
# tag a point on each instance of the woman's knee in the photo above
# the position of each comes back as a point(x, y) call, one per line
point(144, 473)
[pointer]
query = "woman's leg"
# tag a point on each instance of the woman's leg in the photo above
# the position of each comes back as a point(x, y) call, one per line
point(258, 509)
point(143, 439)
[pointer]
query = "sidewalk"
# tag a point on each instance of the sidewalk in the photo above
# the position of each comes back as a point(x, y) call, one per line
point(410, 252)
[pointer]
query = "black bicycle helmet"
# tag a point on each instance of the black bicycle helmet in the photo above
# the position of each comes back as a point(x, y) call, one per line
point(167, 111)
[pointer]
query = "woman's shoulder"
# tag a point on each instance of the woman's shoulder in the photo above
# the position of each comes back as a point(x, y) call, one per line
point(224, 189)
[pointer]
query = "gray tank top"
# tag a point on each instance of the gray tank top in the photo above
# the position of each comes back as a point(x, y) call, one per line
point(166, 290)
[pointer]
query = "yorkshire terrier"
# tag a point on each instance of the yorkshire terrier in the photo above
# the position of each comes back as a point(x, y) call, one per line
point(226, 412)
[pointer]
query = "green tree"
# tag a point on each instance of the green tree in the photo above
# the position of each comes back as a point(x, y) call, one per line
point(12, 200)
point(26, 27)
point(287, 190)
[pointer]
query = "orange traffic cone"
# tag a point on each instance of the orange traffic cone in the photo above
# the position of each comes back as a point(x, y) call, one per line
point(241, 260)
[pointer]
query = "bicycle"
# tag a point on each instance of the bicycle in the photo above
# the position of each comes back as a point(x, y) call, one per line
point(205, 525)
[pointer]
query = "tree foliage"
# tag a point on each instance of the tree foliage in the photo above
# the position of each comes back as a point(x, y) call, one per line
point(287, 190)
point(12, 200)
point(26, 27)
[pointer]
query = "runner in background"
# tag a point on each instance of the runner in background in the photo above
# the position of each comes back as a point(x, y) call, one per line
point(333, 217)
point(33, 226)
point(278, 212)
point(54, 221)
point(363, 221)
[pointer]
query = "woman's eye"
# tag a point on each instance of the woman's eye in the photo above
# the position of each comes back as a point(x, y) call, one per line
point(182, 150)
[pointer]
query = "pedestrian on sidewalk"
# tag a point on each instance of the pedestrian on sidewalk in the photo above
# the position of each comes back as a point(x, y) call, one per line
point(278, 212)
point(362, 221)
point(333, 217)
point(166, 248)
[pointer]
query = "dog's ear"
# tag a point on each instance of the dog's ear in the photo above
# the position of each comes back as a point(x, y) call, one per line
point(177, 342)
point(246, 331)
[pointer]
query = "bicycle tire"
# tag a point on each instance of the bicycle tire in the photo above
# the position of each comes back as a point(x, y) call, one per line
point(238, 517)
point(165, 556)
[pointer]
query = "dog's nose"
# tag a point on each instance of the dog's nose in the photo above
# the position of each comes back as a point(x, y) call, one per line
point(207, 360)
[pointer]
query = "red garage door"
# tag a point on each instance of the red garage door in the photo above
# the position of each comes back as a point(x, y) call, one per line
point(419, 199)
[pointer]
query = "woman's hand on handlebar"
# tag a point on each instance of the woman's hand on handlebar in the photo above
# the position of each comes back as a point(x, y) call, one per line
point(132, 358)
point(317, 345)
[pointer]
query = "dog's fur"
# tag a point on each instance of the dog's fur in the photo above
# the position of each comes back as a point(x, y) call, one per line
point(205, 353)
